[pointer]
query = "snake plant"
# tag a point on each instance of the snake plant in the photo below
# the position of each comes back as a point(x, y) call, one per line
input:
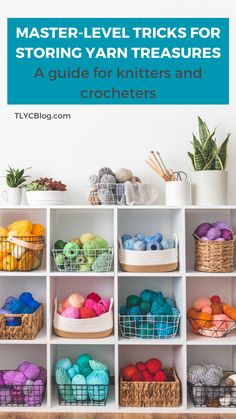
point(207, 155)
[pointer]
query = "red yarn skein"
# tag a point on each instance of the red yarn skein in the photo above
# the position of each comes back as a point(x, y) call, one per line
point(147, 376)
point(128, 371)
point(153, 365)
point(160, 376)
point(87, 313)
point(93, 296)
point(141, 366)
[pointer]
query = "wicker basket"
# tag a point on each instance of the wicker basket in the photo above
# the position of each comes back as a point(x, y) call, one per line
point(151, 394)
point(214, 256)
point(30, 325)
point(23, 253)
point(213, 396)
point(207, 329)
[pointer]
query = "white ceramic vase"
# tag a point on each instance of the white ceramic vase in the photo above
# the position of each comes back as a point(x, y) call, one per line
point(210, 187)
point(12, 196)
point(178, 193)
point(38, 198)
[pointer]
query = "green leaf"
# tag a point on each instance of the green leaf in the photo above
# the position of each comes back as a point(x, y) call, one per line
point(223, 152)
point(210, 164)
point(192, 158)
point(199, 162)
point(203, 131)
point(218, 163)
point(209, 147)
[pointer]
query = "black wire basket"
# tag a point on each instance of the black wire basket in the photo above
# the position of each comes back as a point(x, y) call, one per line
point(220, 396)
point(23, 395)
point(82, 394)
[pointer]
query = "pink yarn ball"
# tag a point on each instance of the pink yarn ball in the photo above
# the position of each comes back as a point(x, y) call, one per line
point(76, 300)
point(19, 379)
point(89, 303)
point(93, 296)
point(201, 302)
point(221, 321)
point(32, 371)
point(17, 396)
point(106, 303)
point(206, 309)
point(23, 366)
point(9, 377)
point(71, 313)
point(5, 396)
point(99, 309)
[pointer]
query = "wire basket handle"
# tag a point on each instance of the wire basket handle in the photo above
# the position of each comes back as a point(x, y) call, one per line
point(27, 245)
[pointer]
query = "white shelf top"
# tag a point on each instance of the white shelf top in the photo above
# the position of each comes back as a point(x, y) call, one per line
point(57, 340)
point(150, 274)
point(191, 272)
point(195, 339)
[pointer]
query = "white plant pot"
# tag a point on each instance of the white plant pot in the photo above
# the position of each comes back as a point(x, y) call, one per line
point(12, 196)
point(178, 192)
point(210, 187)
point(37, 198)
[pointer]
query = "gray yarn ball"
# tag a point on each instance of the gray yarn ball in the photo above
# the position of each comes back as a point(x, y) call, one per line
point(213, 376)
point(108, 181)
point(105, 171)
point(106, 196)
point(195, 374)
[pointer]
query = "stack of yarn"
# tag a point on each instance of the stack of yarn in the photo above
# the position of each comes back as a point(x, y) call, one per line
point(212, 387)
point(211, 317)
point(219, 231)
point(78, 307)
point(23, 386)
point(86, 379)
point(141, 242)
point(107, 187)
point(149, 315)
point(150, 370)
point(24, 304)
point(84, 253)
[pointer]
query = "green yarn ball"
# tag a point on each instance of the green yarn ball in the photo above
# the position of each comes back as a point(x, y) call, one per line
point(102, 263)
point(145, 307)
point(132, 300)
point(83, 359)
point(85, 369)
point(94, 247)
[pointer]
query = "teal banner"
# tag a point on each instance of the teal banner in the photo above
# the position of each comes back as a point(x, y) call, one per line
point(118, 61)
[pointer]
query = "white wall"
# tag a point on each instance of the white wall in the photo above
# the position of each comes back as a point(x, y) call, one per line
point(117, 136)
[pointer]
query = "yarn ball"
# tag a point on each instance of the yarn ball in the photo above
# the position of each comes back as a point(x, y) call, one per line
point(71, 250)
point(141, 366)
point(127, 237)
point(215, 299)
point(42, 374)
point(37, 389)
point(32, 371)
point(97, 365)
point(71, 313)
point(19, 379)
point(129, 243)
point(123, 310)
point(164, 329)
point(202, 229)
point(99, 309)
point(93, 180)
point(90, 246)
point(108, 181)
point(27, 387)
point(220, 239)
point(213, 233)
point(153, 245)
point(13, 322)
point(102, 263)
point(105, 303)
point(168, 244)
point(76, 368)
point(217, 308)
point(196, 373)
point(89, 303)
point(120, 193)
point(106, 196)
point(144, 331)
point(160, 376)
point(199, 394)
point(139, 245)
point(17, 395)
point(71, 372)
point(98, 385)
point(62, 377)
point(93, 296)
point(76, 300)
point(222, 322)
point(221, 225)
point(105, 171)
point(165, 310)
point(169, 301)
point(153, 365)
point(226, 234)
point(9, 377)
point(137, 376)
point(225, 400)
point(135, 310)
point(87, 313)
point(79, 387)
point(83, 359)
point(123, 175)
point(135, 179)
point(213, 376)
point(147, 295)
point(86, 237)
point(174, 311)
point(139, 236)
point(15, 306)
point(206, 309)
point(147, 376)
point(132, 300)
point(145, 307)
point(31, 400)
point(201, 302)
point(85, 369)
point(1, 379)
point(23, 365)
point(128, 371)
point(5, 396)
point(64, 363)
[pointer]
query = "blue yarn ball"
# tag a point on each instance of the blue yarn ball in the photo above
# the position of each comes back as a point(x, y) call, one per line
point(14, 322)
point(169, 301)
point(129, 244)
point(158, 237)
point(140, 237)
point(34, 305)
point(164, 329)
point(147, 295)
point(135, 310)
point(174, 311)
point(154, 245)
point(26, 297)
point(98, 387)
point(139, 245)
point(16, 307)
point(9, 299)
point(159, 298)
point(168, 244)
point(126, 237)
point(165, 310)
point(64, 363)
point(26, 310)
point(123, 310)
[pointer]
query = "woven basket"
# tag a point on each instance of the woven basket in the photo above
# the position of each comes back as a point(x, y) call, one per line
point(214, 256)
point(29, 328)
point(151, 394)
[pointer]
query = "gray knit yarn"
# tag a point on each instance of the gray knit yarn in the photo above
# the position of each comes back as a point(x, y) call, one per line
point(195, 373)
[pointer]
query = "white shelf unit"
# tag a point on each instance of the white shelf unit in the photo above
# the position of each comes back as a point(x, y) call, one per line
point(184, 285)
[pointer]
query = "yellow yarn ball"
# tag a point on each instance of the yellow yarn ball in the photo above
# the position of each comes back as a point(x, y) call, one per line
point(86, 237)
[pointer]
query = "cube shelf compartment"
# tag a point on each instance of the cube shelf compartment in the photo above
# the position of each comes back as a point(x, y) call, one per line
point(184, 285)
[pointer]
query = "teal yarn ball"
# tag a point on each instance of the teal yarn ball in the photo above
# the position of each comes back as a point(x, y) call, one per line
point(79, 387)
point(123, 310)
point(169, 301)
point(132, 300)
point(134, 313)
point(85, 369)
point(145, 307)
point(83, 359)
point(159, 298)
point(71, 372)
point(97, 365)
point(145, 331)
point(155, 307)
point(165, 310)
point(63, 381)
point(64, 363)
point(174, 311)
point(76, 368)
point(163, 329)
point(98, 385)
point(147, 295)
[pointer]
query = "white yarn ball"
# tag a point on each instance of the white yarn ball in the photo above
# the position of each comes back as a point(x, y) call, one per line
point(122, 175)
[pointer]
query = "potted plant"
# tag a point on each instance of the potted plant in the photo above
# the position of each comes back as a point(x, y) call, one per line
point(15, 180)
point(45, 191)
point(209, 179)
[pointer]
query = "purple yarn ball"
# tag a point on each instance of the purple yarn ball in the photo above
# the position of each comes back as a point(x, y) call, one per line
point(9, 377)
point(220, 239)
point(37, 389)
point(202, 229)
point(31, 400)
point(213, 233)
point(5, 396)
point(204, 238)
point(17, 396)
point(1, 379)
point(23, 366)
point(32, 371)
point(20, 379)
point(221, 225)
point(42, 374)
point(226, 234)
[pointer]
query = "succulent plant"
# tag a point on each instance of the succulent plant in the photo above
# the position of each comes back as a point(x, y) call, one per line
point(46, 184)
point(207, 155)
point(16, 178)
